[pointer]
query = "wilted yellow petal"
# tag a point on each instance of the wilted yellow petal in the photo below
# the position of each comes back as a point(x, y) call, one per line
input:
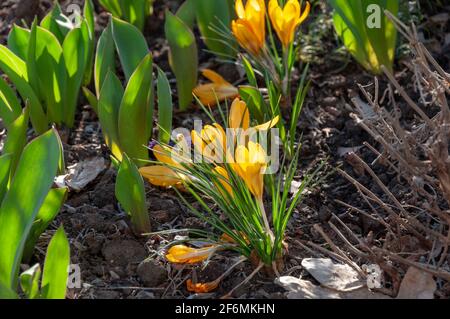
point(201, 287)
point(182, 254)
point(159, 175)
point(218, 90)
point(214, 77)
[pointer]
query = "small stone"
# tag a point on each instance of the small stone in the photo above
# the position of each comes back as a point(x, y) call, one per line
point(151, 273)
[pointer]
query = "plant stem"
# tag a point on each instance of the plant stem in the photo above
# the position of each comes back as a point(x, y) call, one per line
point(266, 221)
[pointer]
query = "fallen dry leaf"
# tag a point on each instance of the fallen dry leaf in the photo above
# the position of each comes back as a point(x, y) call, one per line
point(303, 289)
point(417, 284)
point(82, 173)
point(340, 277)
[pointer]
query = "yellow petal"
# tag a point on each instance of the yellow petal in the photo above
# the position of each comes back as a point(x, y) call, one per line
point(160, 175)
point(214, 77)
point(268, 125)
point(239, 115)
point(257, 154)
point(163, 155)
point(240, 10)
point(201, 287)
point(219, 90)
point(182, 254)
point(305, 13)
point(224, 179)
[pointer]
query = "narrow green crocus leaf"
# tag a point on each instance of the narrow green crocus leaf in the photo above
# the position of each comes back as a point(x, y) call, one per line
point(57, 260)
point(29, 187)
point(165, 107)
point(130, 192)
point(183, 57)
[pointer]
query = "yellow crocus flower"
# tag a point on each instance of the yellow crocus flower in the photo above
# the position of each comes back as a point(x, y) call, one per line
point(250, 27)
point(250, 163)
point(285, 21)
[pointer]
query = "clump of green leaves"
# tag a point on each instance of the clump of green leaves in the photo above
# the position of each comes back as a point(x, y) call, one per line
point(135, 12)
point(48, 64)
point(28, 203)
point(126, 114)
point(366, 32)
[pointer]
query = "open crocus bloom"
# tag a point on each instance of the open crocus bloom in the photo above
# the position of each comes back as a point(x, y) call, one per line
point(218, 90)
point(285, 21)
point(181, 254)
point(250, 28)
point(250, 163)
point(211, 142)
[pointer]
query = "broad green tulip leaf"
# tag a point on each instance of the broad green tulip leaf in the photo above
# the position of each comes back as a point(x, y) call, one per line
point(92, 99)
point(371, 45)
point(89, 15)
point(134, 11)
point(18, 40)
point(5, 164)
point(47, 213)
point(76, 55)
point(46, 71)
point(108, 112)
point(136, 112)
point(29, 187)
point(130, 192)
point(212, 15)
point(57, 260)
point(7, 293)
point(130, 44)
point(183, 57)
point(16, 139)
point(50, 23)
point(10, 108)
point(29, 281)
point(249, 72)
point(16, 70)
point(186, 12)
point(104, 59)
point(112, 6)
point(165, 107)
point(255, 101)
